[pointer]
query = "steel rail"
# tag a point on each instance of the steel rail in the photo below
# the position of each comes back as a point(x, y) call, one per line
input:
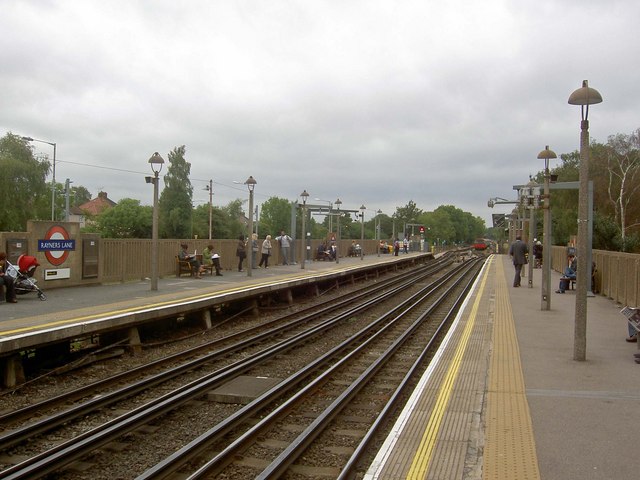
point(173, 463)
point(289, 455)
point(13, 437)
point(71, 450)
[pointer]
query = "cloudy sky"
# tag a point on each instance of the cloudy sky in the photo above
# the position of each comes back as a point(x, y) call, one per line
point(374, 102)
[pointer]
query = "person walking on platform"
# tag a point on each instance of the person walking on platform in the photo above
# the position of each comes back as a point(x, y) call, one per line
point(285, 243)
point(7, 280)
point(518, 251)
point(241, 251)
point(266, 252)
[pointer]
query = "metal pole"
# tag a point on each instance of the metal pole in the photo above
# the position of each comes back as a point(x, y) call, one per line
point(154, 235)
point(377, 234)
point(249, 237)
point(338, 203)
point(53, 185)
point(362, 208)
point(210, 207)
point(546, 246)
point(304, 234)
point(580, 329)
point(532, 232)
point(67, 188)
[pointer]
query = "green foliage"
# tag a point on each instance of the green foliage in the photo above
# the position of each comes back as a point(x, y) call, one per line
point(24, 194)
point(175, 208)
point(407, 214)
point(275, 215)
point(128, 219)
point(80, 195)
point(452, 226)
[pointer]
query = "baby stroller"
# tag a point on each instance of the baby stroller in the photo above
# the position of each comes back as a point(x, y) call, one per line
point(23, 276)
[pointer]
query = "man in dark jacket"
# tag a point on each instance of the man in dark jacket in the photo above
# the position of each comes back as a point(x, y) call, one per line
point(518, 252)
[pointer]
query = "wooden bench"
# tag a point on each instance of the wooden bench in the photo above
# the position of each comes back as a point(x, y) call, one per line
point(183, 266)
point(570, 282)
point(209, 268)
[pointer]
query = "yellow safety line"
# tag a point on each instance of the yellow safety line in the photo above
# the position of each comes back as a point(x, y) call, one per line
point(423, 456)
point(150, 306)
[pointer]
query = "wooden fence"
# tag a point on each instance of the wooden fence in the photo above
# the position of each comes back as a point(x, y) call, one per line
point(617, 274)
point(124, 260)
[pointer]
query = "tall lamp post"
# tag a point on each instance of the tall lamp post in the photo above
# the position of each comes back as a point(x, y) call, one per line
point(304, 196)
point(377, 224)
point(546, 155)
point(584, 97)
point(362, 209)
point(337, 203)
point(156, 162)
point(251, 184)
point(53, 174)
point(209, 188)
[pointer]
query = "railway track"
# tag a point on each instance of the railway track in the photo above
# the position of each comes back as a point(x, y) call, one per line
point(287, 336)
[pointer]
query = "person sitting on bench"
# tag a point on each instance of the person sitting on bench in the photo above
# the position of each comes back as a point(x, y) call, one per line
point(192, 259)
point(569, 275)
point(323, 253)
point(211, 260)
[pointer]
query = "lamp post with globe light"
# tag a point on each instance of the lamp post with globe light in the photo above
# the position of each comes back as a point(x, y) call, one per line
point(156, 162)
point(584, 97)
point(304, 196)
point(546, 154)
point(251, 185)
point(362, 209)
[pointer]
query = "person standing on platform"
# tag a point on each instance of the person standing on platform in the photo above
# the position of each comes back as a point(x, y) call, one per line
point(285, 243)
point(7, 280)
point(266, 252)
point(241, 251)
point(518, 251)
point(254, 250)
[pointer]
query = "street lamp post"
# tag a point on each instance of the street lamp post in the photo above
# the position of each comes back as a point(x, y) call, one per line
point(377, 225)
point(53, 174)
point(209, 188)
point(251, 184)
point(546, 154)
point(362, 209)
point(584, 97)
point(337, 203)
point(304, 196)
point(156, 162)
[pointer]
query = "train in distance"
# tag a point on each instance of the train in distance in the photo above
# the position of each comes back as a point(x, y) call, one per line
point(482, 243)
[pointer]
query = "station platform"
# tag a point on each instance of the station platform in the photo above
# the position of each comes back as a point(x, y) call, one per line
point(505, 399)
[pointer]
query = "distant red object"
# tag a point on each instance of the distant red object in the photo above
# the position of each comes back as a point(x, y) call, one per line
point(480, 244)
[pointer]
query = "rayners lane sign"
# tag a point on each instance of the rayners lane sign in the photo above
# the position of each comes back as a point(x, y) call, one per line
point(56, 245)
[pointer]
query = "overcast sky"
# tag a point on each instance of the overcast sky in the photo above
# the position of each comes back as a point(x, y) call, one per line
point(374, 102)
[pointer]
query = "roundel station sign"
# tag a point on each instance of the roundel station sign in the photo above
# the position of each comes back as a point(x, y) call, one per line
point(56, 245)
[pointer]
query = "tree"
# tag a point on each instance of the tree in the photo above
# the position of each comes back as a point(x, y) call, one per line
point(234, 221)
point(623, 168)
point(126, 220)
point(175, 208)
point(80, 195)
point(407, 214)
point(24, 194)
point(275, 215)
